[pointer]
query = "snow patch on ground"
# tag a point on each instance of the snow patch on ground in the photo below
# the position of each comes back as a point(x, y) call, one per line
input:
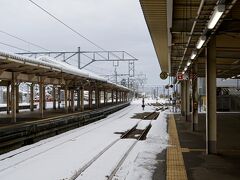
point(142, 125)
point(61, 156)
point(141, 162)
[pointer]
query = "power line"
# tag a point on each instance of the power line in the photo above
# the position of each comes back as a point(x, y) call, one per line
point(67, 26)
point(15, 47)
point(14, 36)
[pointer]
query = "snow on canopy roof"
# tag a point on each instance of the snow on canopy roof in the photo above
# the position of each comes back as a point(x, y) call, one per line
point(72, 69)
point(50, 62)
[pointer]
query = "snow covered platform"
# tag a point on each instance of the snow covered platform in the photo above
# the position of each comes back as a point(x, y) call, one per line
point(94, 151)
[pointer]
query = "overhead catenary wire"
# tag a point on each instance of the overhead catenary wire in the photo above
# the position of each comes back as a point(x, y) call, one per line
point(15, 47)
point(69, 27)
point(23, 40)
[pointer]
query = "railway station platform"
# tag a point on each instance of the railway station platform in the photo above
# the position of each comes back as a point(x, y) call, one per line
point(192, 149)
point(29, 116)
point(31, 127)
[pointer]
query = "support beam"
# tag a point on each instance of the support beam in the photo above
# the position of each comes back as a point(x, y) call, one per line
point(72, 100)
point(82, 99)
point(69, 99)
point(188, 102)
point(44, 97)
point(17, 97)
point(32, 97)
point(97, 98)
point(112, 96)
point(90, 99)
point(120, 96)
point(183, 98)
point(14, 99)
point(41, 96)
point(66, 99)
point(117, 94)
point(59, 98)
point(54, 97)
point(8, 99)
point(78, 99)
point(194, 98)
point(211, 119)
point(105, 97)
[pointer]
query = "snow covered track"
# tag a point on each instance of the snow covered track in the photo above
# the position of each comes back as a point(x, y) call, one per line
point(93, 127)
point(95, 151)
point(70, 136)
point(81, 170)
point(128, 151)
point(34, 131)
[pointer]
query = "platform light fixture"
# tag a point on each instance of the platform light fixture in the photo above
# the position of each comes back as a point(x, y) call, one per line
point(200, 42)
point(194, 54)
point(233, 77)
point(189, 63)
point(185, 69)
point(183, 72)
point(218, 11)
point(238, 75)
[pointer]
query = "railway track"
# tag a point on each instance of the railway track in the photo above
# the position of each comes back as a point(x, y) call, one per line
point(90, 162)
point(123, 113)
point(154, 115)
point(127, 134)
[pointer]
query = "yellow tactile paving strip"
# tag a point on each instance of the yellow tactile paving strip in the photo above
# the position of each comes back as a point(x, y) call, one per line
point(175, 164)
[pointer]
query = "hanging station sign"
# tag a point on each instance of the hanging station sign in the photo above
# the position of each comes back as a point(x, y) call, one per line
point(181, 77)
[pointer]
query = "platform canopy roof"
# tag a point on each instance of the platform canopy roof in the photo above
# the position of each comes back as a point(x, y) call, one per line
point(51, 70)
point(176, 26)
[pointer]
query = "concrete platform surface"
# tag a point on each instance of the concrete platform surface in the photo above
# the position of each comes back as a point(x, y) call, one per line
point(199, 166)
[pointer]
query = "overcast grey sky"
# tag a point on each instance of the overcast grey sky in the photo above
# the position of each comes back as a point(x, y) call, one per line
point(112, 24)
